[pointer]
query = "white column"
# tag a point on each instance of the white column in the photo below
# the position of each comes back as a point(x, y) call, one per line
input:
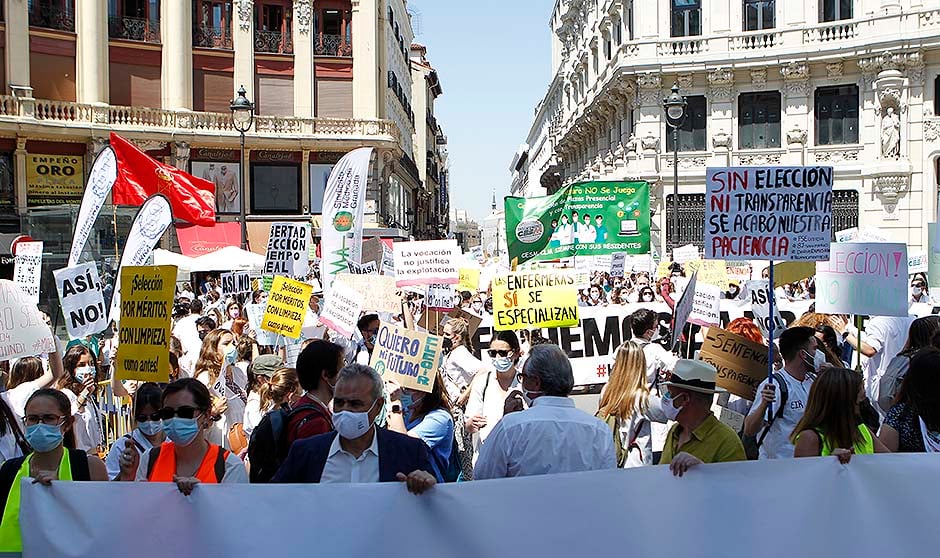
point(243, 40)
point(304, 87)
point(176, 34)
point(91, 51)
point(19, 161)
point(369, 69)
point(720, 20)
point(17, 43)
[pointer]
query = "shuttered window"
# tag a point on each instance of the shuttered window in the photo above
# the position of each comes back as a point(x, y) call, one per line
point(212, 90)
point(334, 98)
point(137, 86)
point(275, 95)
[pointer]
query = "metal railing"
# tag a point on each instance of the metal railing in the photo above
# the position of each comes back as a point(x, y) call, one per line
point(274, 42)
point(52, 18)
point(332, 45)
point(134, 29)
point(206, 36)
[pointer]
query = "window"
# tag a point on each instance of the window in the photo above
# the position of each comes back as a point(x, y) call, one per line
point(608, 48)
point(759, 14)
point(692, 132)
point(691, 217)
point(212, 24)
point(835, 10)
point(936, 96)
point(332, 22)
point(275, 189)
point(628, 21)
point(759, 120)
point(618, 31)
point(686, 18)
point(837, 115)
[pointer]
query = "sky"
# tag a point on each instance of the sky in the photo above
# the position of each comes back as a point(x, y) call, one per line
point(494, 61)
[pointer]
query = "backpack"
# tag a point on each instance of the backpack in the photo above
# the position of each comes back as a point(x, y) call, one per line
point(781, 405)
point(270, 440)
point(891, 380)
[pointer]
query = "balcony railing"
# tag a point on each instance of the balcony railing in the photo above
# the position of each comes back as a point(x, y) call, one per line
point(207, 36)
point(756, 40)
point(273, 42)
point(52, 18)
point(332, 45)
point(134, 29)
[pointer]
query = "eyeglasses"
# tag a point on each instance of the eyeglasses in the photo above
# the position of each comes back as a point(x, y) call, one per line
point(48, 420)
point(184, 412)
point(521, 376)
point(149, 418)
point(498, 352)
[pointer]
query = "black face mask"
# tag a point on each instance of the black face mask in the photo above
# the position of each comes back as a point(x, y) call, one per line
point(202, 335)
point(447, 344)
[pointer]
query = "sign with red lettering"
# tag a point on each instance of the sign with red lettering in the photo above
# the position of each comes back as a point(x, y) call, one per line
point(768, 213)
point(863, 279)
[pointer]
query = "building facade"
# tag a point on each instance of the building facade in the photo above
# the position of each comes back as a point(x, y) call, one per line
point(465, 230)
point(430, 147)
point(847, 83)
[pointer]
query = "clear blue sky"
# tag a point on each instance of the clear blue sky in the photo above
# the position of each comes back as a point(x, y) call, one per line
point(494, 61)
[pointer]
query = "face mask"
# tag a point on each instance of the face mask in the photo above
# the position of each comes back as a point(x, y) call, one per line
point(233, 313)
point(43, 437)
point(477, 306)
point(230, 355)
point(669, 408)
point(447, 344)
point(84, 372)
point(352, 425)
point(916, 291)
point(202, 335)
point(647, 298)
point(151, 427)
point(531, 395)
point(502, 364)
point(180, 431)
point(809, 360)
point(595, 295)
point(406, 401)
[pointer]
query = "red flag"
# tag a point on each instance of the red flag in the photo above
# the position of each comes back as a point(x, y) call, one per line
point(140, 176)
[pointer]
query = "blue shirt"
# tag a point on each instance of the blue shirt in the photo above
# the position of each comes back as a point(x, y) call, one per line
point(436, 429)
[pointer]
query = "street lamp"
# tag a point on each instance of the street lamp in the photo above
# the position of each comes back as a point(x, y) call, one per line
point(674, 105)
point(243, 114)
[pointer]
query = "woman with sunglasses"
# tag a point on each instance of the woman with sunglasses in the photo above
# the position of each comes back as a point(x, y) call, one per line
point(149, 430)
point(48, 423)
point(186, 458)
point(489, 391)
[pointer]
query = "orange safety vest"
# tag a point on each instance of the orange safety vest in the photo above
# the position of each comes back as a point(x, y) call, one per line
point(162, 464)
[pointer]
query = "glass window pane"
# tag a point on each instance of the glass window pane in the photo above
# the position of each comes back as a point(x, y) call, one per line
point(695, 22)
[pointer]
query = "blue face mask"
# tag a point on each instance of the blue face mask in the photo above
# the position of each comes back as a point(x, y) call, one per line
point(231, 355)
point(180, 431)
point(151, 427)
point(43, 437)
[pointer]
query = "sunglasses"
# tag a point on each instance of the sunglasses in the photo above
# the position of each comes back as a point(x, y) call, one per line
point(149, 418)
point(184, 412)
point(494, 353)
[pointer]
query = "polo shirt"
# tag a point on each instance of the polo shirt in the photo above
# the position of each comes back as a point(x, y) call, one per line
point(712, 442)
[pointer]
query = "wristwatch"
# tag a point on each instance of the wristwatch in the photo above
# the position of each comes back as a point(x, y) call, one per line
point(396, 407)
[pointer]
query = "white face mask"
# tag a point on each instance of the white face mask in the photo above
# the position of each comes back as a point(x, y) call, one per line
point(647, 298)
point(352, 425)
point(82, 373)
point(502, 364)
point(916, 291)
point(669, 408)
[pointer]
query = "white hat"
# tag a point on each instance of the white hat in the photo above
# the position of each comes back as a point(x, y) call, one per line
point(694, 375)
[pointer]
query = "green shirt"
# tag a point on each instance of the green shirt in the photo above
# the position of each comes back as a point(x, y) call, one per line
point(712, 442)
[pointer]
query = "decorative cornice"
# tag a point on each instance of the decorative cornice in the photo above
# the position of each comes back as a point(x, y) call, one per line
point(245, 14)
point(302, 14)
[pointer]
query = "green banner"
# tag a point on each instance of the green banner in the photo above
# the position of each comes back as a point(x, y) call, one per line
point(584, 219)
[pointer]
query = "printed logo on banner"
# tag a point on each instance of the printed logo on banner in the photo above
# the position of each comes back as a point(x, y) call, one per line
point(146, 310)
point(768, 213)
point(529, 300)
point(235, 283)
point(287, 307)
point(27, 268)
point(863, 279)
point(342, 309)
point(288, 250)
point(426, 262)
point(82, 300)
point(409, 357)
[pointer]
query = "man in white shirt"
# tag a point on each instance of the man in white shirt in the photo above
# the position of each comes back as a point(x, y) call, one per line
point(645, 326)
point(552, 436)
point(798, 348)
point(185, 329)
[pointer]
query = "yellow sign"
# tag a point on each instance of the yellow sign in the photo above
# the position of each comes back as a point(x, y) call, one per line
point(146, 309)
point(287, 307)
point(710, 272)
point(54, 179)
point(469, 279)
point(409, 357)
point(791, 272)
point(662, 270)
point(534, 299)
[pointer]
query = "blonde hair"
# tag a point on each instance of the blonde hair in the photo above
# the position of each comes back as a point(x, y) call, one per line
point(461, 329)
point(627, 391)
point(273, 392)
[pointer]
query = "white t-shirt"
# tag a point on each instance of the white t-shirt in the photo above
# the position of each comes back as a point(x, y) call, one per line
point(87, 427)
point(459, 368)
point(234, 469)
point(490, 406)
point(657, 359)
point(185, 330)
point(253, 413)
point(16, 397)
point(113, 460)
point(777, 442)
point(887, 335)
point(235, 413)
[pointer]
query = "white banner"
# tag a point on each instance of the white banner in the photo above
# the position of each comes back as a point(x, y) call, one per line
point(288, 250)
point(23, 332)
point(550, 507)
point(342, 308)
point(343, 207)
point(82, 300)
point(152, 220)
point(426, 262)
point(100, 180)
point(235, 283)
point(27, 268)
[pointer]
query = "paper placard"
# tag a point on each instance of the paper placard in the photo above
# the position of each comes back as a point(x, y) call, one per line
point(768, 213)
point(255, 315)
point(440, 297)
point(146, 311)
point(706, 305)
point(618, 263)
point(710, 272)
point(426, 262)
point(741, 364)
point(378, 292)
point(235, 283)
point(739, 273)
point(409, 357)
point(23, 332)
point(364, 269)
point(469, 279)
point(863, 279)
point(82, 301)
point(759, 290)
point(684, 254)
point(288, 250)
point(287, 307)
point(342, 309)
point(534, 299)
point(27, 268)
point(683, 310)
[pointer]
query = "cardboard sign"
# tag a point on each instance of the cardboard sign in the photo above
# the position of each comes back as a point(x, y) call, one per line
point(440, 297)
point(534, 299)
point(759, 290)
point(409, 357)
point(618, 264)
point(710, 272)
point(426, 262)
point(27, 269)
point(469, 279)
point(684, 254)
point(23, 332)
point(706, 305)
point(768, 213)
point(146, 310)
point(378, 292)
point(683, 310)
point(342, 310)
point(863, 279)
point(364, 269)
point(741, 364)
point(287, 307)
point(235, 283)
point(373, 250)
point(791, 272)
point(82, 300)
point(288, 250)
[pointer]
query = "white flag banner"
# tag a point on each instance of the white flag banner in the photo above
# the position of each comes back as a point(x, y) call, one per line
point(152, 220)
point(27, 268)
point(343, 206)
point(82, 300)
point(100, 181)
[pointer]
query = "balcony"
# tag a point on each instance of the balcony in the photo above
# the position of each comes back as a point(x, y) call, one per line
point(134, 29)
point(274, 42)
point(52, 18)
point(332, 45)
point(206, 36)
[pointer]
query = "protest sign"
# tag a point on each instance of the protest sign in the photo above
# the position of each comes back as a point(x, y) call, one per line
point(287, 252)
point(863, 279)
point(287, 307)
point(27, 269)
point(255, 315)
point(534, 299)
point(917, 262)
point(82, 300)
point(373, 250)
point(791, 272)
point(684, 254)
point(739, 273)
point(409, 357)
point(642, 263)
point(235, 283)
point(710, 272)
point(146, 310)
point(768, 213)
point(759, 291)
point(683, 310)
point(603, 262)
point(364, 269)
point(388, 261)
point(426, 262)
point(440, 297)
point(872, 234)
point(378, 292)
point(847, 235)
point(469, 279)
point(583, 219)
point(23, 332)
point(618, 264)
point(100, 181)
point(662, 270)
point(741, 363)
point(473, 320)
point(706, 305)
point(342, 309)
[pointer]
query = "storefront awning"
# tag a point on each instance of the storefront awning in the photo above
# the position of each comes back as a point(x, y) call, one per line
point(198, 241)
